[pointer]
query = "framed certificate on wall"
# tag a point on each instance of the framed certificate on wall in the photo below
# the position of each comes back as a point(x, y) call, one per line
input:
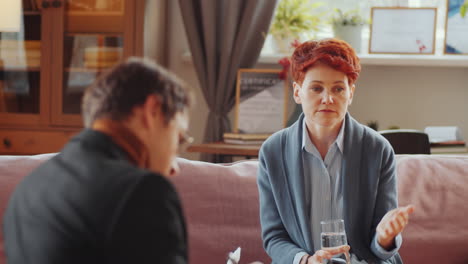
point(456, 27)
point(261, 101)
point(397, 30)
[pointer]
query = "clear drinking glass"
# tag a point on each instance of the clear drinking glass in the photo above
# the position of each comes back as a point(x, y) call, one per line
point(334, 235)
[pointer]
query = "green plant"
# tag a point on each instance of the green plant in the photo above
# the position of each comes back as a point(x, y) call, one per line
point(293, 17)
point(464, 8)
point(373, 124)
point(348, 18)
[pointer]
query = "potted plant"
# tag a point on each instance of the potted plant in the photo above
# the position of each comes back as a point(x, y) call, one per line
point(348, 27)
point(292, 19)
point(373, 124)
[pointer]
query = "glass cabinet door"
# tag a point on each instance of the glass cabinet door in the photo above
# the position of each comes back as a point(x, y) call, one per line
point(20, 70)
point(94, 38)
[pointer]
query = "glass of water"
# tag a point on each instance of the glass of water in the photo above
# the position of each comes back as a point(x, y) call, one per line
point(334, 235)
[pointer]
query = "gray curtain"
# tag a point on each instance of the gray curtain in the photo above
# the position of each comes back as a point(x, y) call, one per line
point(224, 35)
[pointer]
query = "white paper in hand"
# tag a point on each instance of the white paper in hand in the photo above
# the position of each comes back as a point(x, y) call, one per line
point(234, 257)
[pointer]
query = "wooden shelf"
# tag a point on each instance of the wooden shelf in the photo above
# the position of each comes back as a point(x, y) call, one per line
point(93, 22)
point(112, 34)
point(393, 60)
point(32, 13)
point(20, 68)
point(95, 13)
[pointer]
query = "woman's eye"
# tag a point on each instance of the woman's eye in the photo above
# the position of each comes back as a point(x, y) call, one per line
point(317, 89)
point(339, 89)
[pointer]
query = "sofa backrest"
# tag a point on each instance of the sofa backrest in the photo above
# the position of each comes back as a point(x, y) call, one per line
point(12, 170)
point(221, 206)
point(437, 185)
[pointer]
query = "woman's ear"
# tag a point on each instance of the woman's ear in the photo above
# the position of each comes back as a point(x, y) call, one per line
point(352, 88)
point(296, 91)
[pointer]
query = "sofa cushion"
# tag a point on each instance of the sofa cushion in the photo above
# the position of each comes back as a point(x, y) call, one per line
point(437, 186)
point(221, 207)
point(12, 170)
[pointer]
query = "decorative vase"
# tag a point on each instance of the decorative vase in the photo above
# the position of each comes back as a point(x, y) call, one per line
point(351, 34)
point(283, 44)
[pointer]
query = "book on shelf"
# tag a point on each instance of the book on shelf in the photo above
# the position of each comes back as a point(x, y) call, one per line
point(449, 150)
point(20, 44)
point(19, 63)
point(246, 137)
point(449, 143)
point(449, 147)
point(102, 57)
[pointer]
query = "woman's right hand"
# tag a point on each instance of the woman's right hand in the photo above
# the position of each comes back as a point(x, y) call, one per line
point(322, 254)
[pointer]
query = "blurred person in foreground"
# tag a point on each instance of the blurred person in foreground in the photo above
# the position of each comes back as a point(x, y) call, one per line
point(105, 198)
point(328, 166)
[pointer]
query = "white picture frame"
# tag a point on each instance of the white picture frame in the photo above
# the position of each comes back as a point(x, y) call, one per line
point(401, 30)
point(261, 101)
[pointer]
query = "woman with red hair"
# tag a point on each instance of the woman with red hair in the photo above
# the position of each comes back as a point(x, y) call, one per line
point(328, 166)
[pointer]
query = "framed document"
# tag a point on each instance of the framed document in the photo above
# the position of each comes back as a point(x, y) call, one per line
point(456, 27)
point(261, 101)
point(403, 30)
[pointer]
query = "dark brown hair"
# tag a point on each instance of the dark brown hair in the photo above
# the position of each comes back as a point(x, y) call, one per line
point(128, 84)
point(333, 52)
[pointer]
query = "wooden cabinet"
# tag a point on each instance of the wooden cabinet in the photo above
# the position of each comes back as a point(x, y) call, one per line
point(63, 46)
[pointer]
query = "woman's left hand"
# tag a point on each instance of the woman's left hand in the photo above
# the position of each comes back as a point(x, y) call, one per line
point(392, 224)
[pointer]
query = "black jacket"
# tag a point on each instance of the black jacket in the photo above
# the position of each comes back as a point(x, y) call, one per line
point(88, 204)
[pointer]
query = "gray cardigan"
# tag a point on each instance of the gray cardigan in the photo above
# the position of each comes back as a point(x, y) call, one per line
point(370, 190)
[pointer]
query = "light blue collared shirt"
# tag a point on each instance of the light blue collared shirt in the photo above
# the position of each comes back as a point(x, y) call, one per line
point(323, 186)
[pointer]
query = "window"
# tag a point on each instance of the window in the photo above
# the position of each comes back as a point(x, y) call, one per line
point(365, 7)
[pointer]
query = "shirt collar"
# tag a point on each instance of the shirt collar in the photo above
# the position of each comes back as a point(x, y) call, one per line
point(308, 146)
point(340, 138)
point(125, 138)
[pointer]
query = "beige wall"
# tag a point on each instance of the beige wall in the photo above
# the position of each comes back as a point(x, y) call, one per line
point(409, 97)
point(413, 97)
point(155, 29)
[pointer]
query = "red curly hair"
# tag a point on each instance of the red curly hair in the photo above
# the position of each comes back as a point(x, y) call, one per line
point(333, 52)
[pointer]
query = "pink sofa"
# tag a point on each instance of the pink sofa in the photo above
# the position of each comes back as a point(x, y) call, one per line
point(221, 207)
